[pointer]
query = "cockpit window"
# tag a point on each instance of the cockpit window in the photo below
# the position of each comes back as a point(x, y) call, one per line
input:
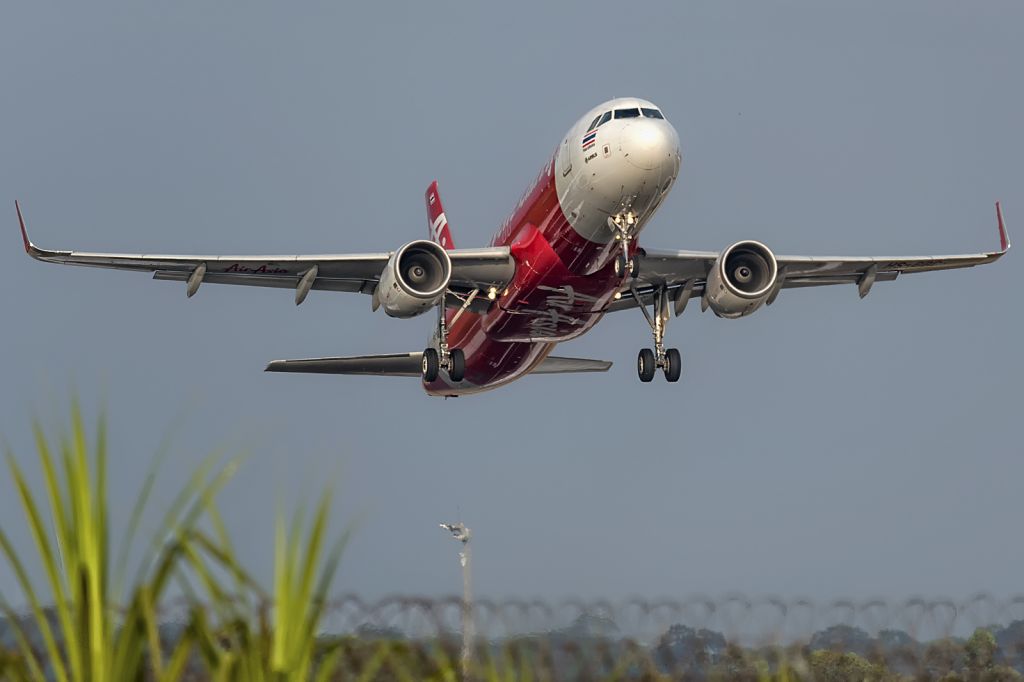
point(593, 124)
point(627, 113)
point(652, 113)
point(604, 118)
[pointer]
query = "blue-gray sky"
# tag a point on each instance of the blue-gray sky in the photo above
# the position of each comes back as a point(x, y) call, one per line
point(826, 446)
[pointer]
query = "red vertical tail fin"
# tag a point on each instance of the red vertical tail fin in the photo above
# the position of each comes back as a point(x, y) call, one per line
point(437, 220)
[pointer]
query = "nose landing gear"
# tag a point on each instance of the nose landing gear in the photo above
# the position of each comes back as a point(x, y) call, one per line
point(669, 360)
point(626, 266)
point(622, 225)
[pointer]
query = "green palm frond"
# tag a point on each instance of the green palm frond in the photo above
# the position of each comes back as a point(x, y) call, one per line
point(96, 632)
point(101, 628)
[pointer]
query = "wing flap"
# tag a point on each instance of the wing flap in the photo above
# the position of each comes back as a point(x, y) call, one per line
point(365, 286)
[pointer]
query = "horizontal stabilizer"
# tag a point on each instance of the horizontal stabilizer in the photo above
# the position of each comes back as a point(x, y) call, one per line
point(408, 365)
point(394, 365)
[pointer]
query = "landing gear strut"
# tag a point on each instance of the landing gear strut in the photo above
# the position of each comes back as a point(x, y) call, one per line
point(621, 226)
point(669, 360)
point(452, 360)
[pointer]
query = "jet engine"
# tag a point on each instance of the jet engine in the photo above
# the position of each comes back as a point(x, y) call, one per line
point(741, 279)
point(414, 280)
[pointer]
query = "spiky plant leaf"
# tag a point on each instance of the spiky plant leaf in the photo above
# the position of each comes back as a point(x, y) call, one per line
point(98, 635)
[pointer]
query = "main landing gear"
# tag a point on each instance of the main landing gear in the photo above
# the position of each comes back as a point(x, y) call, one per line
point(451, 360)
point(432, 364)
point(669, 360)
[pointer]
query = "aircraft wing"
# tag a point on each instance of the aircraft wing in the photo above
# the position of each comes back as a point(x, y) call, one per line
point(408, 365)
point(471, 268)
point(683, 273)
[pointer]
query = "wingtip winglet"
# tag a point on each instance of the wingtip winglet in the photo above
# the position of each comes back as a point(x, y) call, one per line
point(24, 232)
point(1004, 240)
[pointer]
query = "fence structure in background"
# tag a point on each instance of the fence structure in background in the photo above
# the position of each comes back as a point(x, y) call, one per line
point(699, 638)
point(730, 637)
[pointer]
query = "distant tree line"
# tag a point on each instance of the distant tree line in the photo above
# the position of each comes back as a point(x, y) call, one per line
point(593, 648)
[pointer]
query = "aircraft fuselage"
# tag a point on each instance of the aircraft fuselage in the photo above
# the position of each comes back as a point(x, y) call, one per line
point(588, 204)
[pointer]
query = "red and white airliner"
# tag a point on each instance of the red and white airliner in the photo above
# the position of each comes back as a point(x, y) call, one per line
point(567, 255)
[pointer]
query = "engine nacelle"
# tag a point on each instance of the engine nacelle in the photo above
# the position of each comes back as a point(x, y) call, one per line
point(414, 280)
point(741, 279)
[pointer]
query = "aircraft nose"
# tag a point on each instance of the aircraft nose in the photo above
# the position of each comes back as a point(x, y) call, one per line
point(649, 144)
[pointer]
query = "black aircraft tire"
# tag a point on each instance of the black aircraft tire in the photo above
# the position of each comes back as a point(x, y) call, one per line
point(622, 265)
point(431, 365)
point(645, 366)
point(674, 370)
point(458, 369)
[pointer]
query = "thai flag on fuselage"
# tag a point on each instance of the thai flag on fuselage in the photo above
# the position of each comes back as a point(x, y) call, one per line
point(589, 140)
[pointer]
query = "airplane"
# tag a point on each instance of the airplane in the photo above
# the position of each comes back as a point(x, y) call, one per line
point(566, 255)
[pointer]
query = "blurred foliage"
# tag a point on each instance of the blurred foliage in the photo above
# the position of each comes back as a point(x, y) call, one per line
point(93, 628)
point(838, 666)
point(980, 651)
point(192, 611)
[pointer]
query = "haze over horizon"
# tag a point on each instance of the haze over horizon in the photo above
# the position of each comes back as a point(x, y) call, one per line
point(825, 446)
